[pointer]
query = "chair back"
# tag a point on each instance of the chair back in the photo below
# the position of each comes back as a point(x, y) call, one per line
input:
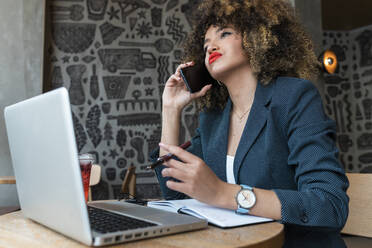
point(95, 177)
point(7, 180)
point(359, 221)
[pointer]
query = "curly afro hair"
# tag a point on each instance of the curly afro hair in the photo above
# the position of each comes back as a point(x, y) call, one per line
point(272, 37)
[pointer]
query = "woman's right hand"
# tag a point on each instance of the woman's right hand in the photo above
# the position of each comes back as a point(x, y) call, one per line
point(176, 94)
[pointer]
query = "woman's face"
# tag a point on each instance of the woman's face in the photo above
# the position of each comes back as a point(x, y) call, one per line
point(224, 53)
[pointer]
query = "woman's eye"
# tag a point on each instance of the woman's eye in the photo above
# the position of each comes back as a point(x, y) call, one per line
point(224, 34)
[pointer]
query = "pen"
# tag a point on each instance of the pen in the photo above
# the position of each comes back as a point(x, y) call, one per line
point(168, 156)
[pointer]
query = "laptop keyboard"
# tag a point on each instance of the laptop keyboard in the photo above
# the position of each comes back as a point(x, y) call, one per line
point(103, 221)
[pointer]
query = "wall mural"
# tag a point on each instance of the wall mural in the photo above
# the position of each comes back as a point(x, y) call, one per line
point(348, 96)
point(114, 57)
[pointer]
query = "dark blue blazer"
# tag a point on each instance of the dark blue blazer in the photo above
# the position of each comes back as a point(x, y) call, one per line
point(288, 146)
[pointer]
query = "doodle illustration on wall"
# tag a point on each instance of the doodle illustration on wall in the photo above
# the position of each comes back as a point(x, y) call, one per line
point(348, 95)
point(114, 57)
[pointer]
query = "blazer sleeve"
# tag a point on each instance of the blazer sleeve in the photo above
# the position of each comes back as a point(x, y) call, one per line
point(169, 194)
point(320, 199)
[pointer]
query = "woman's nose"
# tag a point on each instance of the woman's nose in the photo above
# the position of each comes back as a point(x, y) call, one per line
point(212, 47)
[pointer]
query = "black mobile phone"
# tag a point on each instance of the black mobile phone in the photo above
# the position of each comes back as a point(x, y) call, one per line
point(196, 77)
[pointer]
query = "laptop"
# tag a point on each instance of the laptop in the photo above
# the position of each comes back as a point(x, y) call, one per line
point(50, 190)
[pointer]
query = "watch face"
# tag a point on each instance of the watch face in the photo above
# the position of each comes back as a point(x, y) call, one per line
point(246, 198)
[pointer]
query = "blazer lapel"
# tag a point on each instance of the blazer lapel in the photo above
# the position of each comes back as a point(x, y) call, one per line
point(255, 123)
point(219, 149)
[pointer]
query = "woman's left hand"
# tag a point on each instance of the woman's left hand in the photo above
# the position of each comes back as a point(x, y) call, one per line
point(197, 180)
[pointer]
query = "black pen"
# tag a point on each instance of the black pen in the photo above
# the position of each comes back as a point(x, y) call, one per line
point(166, 157)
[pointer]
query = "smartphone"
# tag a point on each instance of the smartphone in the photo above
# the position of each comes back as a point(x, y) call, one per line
point(196, 77)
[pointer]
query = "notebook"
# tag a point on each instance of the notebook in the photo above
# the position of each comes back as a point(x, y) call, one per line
point(49, 184)
point(214, 215)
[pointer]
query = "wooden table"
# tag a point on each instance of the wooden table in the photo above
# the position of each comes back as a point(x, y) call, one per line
point(18, 231)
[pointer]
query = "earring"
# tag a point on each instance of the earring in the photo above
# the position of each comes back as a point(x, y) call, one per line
point(219, 82)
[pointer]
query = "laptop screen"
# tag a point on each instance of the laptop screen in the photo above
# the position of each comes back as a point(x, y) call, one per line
point(45, 162)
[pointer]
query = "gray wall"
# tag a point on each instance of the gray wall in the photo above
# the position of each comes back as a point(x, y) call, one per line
point(21, 46)
point(348, 95)
point(310, 13)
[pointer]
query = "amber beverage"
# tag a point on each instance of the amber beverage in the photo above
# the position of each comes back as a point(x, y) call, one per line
point(86, 160)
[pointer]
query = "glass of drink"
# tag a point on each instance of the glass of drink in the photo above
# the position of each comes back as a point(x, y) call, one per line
point(86, 160)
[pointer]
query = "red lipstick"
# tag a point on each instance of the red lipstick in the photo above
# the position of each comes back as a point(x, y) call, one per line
point(214, 56)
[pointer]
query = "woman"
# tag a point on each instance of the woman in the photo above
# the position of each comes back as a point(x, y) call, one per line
point(264, 145)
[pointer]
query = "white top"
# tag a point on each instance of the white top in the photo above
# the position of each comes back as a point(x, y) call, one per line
point(230, 169)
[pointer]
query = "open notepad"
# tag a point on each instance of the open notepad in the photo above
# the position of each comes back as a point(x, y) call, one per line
point(217, 216)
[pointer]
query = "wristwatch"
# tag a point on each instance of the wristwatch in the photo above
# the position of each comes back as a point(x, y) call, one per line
point(245, 198)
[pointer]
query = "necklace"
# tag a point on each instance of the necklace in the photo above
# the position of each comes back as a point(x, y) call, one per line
point(242, 116)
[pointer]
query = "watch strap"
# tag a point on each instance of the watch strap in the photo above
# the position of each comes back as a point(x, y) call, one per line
point(241, 210)
point(246, 187)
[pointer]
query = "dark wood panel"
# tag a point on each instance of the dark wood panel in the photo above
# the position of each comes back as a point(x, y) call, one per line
point(346, 14)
